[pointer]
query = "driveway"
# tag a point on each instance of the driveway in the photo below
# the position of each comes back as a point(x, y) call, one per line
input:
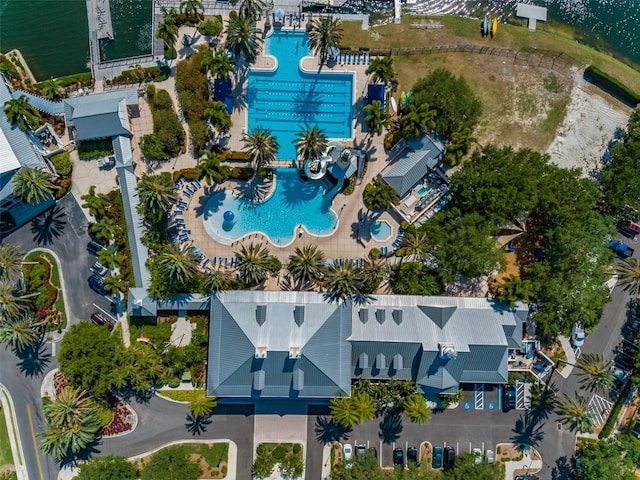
point(63, 229)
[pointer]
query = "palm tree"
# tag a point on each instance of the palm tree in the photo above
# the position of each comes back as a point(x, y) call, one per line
point(218, 116)
point(244, 41)
point(311, 142)
point(32, 184)
point(349, 412)
point(19, 111)
point(157, 193)
point(416, 121)
point(573, 413)
point(13, 305)
point(97, 204)
point(215, 280)
point(219, 64)
point(416, 245)
point(115, 284)
point(374, 272)
point(459, 146)
point(107, 258)
point(376, 118)
point(179, 265)
point(11, 261)
point(416, 408)
point(51, 89)
point(379, 196)
point(72, 423)
point(253, 263)
point(210, 170)
point(594, 372)
point(167, 31)
point(251, 8)
point(202, 405)
point(629, 275)
point(105, 229)
point(513, 289)
point(306, 264)
point(325, 33)
point(381, 70)
point(20, 334)
point(365, 405)
point(343, 281)
point(191, 8)
point(261, 145)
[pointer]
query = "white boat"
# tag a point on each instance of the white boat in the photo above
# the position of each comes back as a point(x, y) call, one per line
point(394, 105)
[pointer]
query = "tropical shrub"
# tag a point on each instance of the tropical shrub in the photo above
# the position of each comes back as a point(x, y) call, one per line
point(62, 163)
point(88, 149)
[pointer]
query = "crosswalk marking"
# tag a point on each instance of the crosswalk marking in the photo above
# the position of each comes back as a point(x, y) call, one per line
point(479, 396)
point(599, 409)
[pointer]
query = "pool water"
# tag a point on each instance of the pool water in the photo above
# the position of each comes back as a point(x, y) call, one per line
point(381, 231)
point(294, 202)
point(423, 190)
point(287, 99)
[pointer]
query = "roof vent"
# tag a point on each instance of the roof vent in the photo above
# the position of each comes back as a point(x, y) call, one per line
point(261, 314)
point(298, 379)
point(258, 380)
point(448, 351)
point(364, 315)
point(381, 361)
point(397, 316)
point(298, 315)
point(380, 315)
point(294, 352)
point(261, 352)
point(363, 360)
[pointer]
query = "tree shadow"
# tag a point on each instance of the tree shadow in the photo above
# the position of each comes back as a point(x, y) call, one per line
point(527, 432)
point(562, 469)
point(390, 427)
point(211, 201)
point(48, 226)
point(82, 456)
point(34, 360)
point(327, 430)
point(197, 425)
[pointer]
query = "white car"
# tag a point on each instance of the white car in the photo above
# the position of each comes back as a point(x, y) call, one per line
point(619, 374)
point(347, 452)
point(489, 456)
point(477, 454)
point(577, 335)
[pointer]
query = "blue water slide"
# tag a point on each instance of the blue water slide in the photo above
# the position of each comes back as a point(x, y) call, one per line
point(41, 104)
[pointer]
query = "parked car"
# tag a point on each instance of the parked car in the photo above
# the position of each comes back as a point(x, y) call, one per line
point(619, 373)
point(94, 247)
point(97, 284)
point(412, 455)
point(489, 456)
point(508, 398)
point(99, 269)
point(360, 449)
point(449, 457)
point(100, 319)
point(477, 455)
point(347, 452)
point(577, 335)
point(106, 162)
point(436, 461)
point(398, 458)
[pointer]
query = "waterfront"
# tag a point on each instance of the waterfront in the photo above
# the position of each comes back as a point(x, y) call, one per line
point(53, 35)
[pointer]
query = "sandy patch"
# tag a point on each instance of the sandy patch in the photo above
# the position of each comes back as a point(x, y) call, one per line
point(589, 125)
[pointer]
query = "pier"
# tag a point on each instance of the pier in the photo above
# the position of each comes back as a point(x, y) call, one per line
point(99, 18)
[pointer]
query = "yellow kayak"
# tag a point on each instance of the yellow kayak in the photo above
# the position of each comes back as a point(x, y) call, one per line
point(494, 26)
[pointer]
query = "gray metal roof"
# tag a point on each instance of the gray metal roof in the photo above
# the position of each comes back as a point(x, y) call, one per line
point(410, 167)
point(140, 304)
point(319, 335)
point(100, 115)
point(410, 353)
point(130, 201)
point(186, 301)
point(41, 104)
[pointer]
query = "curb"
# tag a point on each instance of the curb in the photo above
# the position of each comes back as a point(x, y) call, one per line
point(13, 432)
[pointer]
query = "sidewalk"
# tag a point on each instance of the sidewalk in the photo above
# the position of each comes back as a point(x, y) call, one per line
point(571, 356)
point(525, 466)
point(13, 433)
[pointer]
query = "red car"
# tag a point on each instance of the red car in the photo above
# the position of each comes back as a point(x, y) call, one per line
point(100, 319)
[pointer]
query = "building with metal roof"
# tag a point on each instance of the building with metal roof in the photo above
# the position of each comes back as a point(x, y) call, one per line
point(296, 345)
point(100, 115)
point(16, 151)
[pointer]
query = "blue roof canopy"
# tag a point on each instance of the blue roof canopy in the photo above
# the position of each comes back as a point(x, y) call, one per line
point(376, 92)
point(222, 93)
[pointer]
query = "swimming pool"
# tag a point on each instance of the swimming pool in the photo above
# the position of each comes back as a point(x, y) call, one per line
point(294, 202)
point(381, 231)
point(287, 99)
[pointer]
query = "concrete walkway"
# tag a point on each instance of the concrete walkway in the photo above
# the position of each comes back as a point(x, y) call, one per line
point(181, 330)
point(13, 432)
point(520, 467)
point(571, 356)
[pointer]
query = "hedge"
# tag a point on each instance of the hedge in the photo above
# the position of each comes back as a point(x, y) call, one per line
point(89, 149)
point(235, 155)
point(241, 173)
point(615, 411)
point(186, 173)
point(62, 163)
point(156, 74)
point(612, 85)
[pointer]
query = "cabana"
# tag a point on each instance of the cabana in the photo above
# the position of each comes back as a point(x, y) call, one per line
point(222, 93)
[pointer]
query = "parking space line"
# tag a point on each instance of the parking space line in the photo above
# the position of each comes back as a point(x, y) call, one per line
point(500, 397)
point(599, 409)
point(478, 391)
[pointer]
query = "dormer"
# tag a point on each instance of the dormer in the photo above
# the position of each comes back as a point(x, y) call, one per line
point(294, 353)
point(261, 352)
point(447, 351)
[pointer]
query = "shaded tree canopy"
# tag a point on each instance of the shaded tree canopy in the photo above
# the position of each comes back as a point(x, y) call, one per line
point(457, 106)
point(111, 467)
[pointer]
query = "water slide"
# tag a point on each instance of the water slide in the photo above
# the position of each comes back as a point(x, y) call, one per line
point(39, 103)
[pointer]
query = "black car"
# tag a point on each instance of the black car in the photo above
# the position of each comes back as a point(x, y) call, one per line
point(94, 247)
point(509, 398)
point(398, 458)
point(97, 284)
point(412, 455)
point(449, 457)
point(360, 449)
point(436, 461)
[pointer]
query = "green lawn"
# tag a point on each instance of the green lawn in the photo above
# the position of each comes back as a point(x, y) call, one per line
point(5, 447)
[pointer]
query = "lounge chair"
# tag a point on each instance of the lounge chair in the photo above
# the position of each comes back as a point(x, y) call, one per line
point(206, 262)
point(215, 260)
point(187, 194)
point(177, 211)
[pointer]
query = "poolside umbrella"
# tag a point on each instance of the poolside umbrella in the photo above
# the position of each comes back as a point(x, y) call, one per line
point(279, 14)
point(228, 216)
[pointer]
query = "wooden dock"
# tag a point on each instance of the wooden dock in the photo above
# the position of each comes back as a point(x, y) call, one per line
point(99, 18)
